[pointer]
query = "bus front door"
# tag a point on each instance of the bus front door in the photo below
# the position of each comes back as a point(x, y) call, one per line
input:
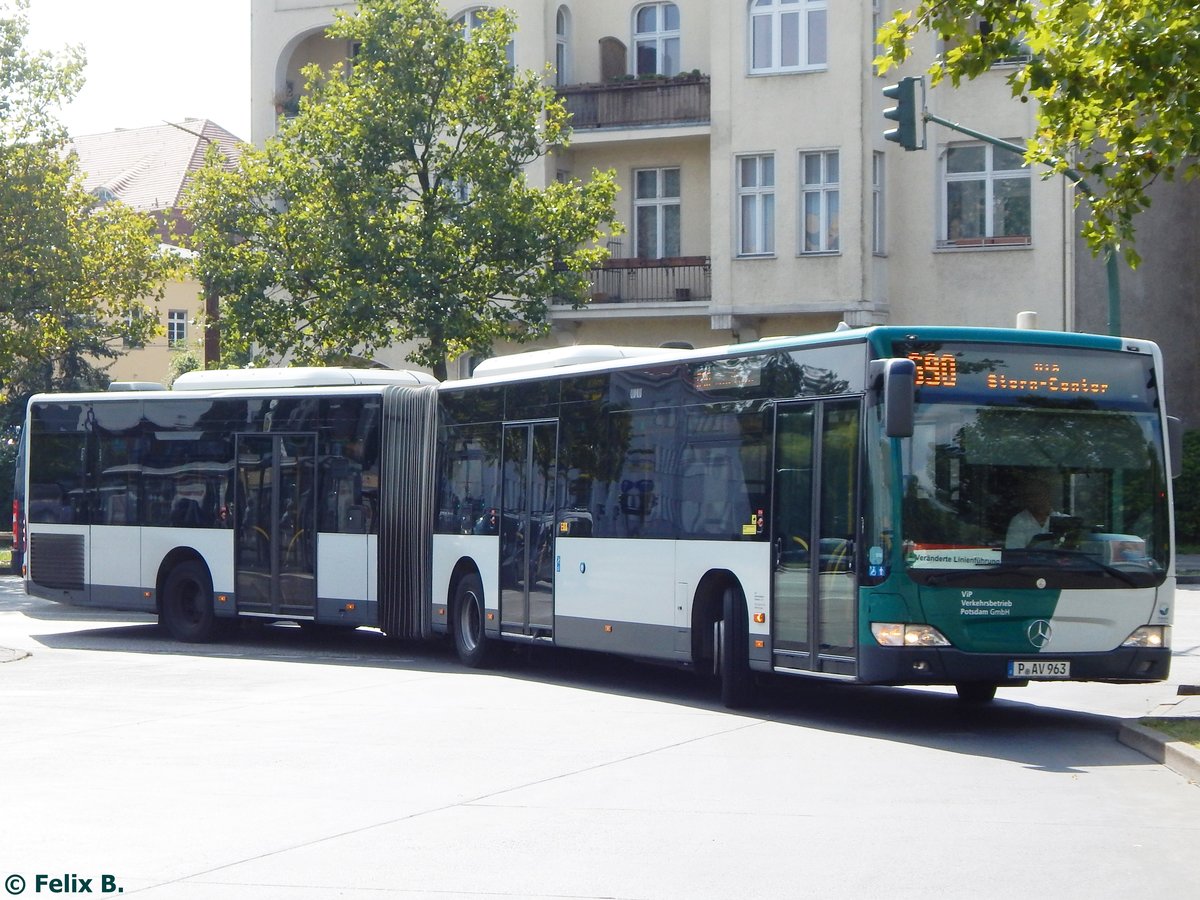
point(815, 503)
point(527, 530)
point(275, 530)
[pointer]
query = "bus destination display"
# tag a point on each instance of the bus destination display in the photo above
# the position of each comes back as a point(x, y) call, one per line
point(1045, 376)
point(981, 371)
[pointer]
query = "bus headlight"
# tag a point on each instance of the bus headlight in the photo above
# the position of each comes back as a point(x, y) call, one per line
point(1151, 636)
point(897, 634)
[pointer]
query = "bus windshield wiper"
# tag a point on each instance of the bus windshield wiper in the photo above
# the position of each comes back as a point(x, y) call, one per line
point(1119, 574)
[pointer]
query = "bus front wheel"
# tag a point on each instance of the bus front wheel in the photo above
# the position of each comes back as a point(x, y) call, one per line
point(976, 691)
point(470, 639)
point(187, 604)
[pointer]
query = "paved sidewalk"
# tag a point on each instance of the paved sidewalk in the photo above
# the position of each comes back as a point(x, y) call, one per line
point(7, 655)
point(1175, 755)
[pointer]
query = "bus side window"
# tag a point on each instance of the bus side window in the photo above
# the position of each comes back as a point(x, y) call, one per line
point(715, 501)
point(342, 509)
point(56, 494)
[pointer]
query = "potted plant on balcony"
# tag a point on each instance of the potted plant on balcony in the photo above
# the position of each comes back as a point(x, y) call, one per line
point(287, 105)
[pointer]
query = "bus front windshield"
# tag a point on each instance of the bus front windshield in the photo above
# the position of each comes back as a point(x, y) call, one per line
point(1025, 487)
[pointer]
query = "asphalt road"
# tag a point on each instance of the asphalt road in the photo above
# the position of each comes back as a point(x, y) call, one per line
point(286, 765)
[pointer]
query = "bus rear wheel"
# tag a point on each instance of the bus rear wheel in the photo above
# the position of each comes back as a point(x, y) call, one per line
point(732, 651)
point(470, 639)
point(187, 604)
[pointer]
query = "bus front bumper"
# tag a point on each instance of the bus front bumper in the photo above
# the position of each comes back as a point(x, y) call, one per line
point(946, 665)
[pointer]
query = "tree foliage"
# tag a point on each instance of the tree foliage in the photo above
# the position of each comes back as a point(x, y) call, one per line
point(1117, 84)
point(75, 276)
point(395, 207)
point(33, 86)
point(1187, 491)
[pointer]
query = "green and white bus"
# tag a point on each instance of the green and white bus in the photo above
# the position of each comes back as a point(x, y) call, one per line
point(853, 506)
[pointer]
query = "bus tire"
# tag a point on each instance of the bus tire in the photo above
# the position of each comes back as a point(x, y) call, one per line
point(470, 638)
point(732, 647)
point(976, 691)
point(187, 604)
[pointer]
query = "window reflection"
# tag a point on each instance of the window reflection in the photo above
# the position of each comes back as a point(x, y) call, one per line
point(985, 486)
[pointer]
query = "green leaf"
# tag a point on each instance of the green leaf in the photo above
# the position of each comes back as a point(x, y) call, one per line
point(1116, 84)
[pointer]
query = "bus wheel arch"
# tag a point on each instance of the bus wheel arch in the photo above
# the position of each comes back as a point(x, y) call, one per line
point(185, 598)
point(468, 617)
point(721, 636)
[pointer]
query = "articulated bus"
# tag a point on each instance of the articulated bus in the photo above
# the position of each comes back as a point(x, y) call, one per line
point(891, 505)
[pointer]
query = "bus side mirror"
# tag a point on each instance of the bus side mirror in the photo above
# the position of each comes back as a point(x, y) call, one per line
point(1175, 442)
point(897, 391)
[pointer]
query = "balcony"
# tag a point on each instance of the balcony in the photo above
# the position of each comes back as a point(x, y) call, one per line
point(676, 279)
point(637, 103)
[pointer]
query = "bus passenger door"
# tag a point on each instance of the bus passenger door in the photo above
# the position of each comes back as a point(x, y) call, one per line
point(275, 530)
point(813, 532)
point(527, 524)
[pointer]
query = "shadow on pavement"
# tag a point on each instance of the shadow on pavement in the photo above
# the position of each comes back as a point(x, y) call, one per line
point(1042, 738)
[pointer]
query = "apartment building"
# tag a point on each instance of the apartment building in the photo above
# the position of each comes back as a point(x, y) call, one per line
point(149, 169)
point(757, 190)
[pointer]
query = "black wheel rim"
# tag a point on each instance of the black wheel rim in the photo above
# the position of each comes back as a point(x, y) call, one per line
point(470, 622)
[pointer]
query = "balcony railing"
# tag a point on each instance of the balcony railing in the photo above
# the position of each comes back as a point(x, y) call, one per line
point(682, 100)
point(676, 279)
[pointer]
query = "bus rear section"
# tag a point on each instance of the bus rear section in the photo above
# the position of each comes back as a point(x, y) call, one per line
point(208, 503)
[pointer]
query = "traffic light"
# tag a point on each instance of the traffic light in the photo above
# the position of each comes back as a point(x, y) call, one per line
point(904, 114)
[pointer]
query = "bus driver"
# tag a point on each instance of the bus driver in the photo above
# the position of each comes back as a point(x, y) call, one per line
point(1034, 517)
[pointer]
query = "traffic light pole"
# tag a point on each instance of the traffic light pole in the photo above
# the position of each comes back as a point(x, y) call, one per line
point(1110, 254)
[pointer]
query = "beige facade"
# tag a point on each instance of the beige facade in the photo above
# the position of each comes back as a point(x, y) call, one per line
point(149, 170)
point(791, 211)
point(180, 317)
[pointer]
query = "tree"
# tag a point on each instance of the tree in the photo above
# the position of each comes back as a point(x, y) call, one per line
point(1116, 82)
point(395, 206)
point(32, 85)
point(75, 276)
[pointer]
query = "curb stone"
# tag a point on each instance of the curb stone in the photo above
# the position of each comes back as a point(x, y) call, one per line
point(1178, 756)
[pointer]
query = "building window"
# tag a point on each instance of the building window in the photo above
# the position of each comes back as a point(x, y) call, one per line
point(878, 247)
point(471, 20)
point(985, 197)
point(756, 205)
point(820, 201)
point(656, 39)
point(176, 327)
point(562, 47)
point(656, 213)
point(787, 35)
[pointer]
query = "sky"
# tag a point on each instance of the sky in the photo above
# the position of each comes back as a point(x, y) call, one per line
point(152, 61)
